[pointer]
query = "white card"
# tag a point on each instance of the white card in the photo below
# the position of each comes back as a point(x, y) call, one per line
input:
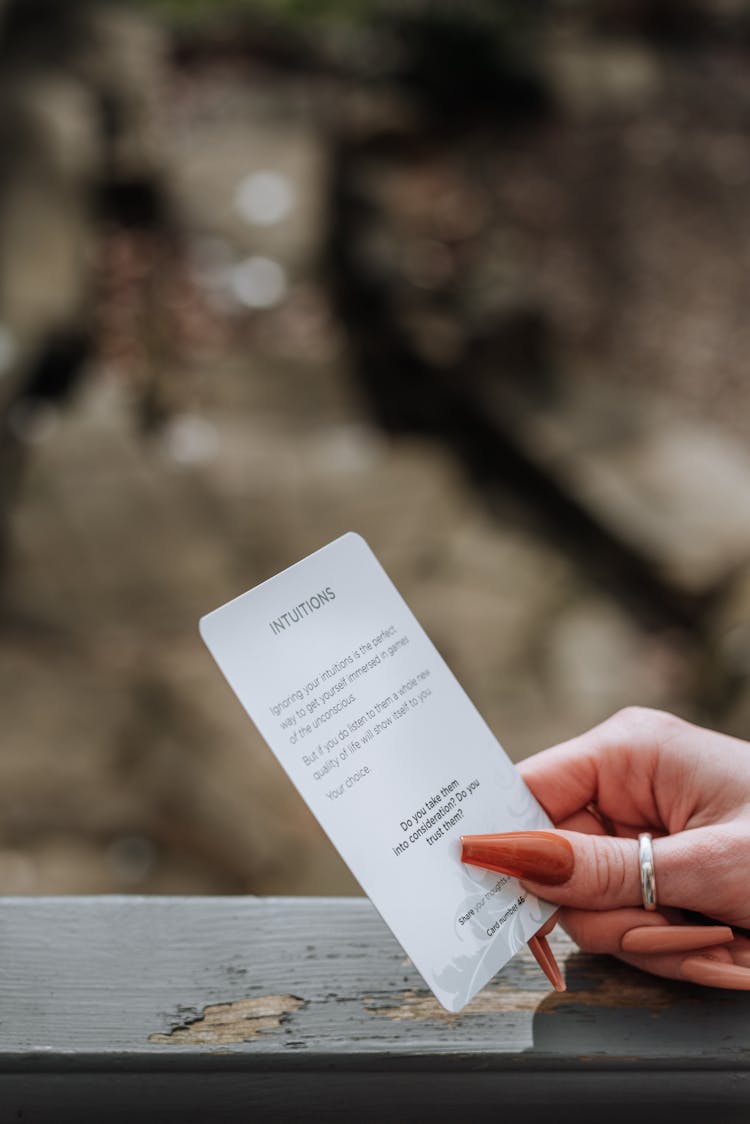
point(389, 753)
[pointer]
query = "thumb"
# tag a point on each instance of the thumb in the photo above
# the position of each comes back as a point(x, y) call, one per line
point(603, 871)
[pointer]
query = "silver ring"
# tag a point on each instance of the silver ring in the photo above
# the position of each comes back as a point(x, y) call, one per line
point(648, 878)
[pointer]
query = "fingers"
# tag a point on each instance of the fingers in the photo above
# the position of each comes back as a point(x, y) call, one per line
point(563, 779)
point(635, 931)
point(711, 967)
point(643, 767)
point(594, 872)
point(566, 867)
point(707, 971)
point(709, 955)
point(567, 777)
point(702, 869)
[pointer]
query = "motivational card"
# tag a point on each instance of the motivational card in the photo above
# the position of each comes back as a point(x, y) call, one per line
point(389, 753)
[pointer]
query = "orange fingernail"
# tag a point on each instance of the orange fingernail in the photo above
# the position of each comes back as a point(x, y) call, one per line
point(713, 973)
point(674, 938)
point(538, 855)
point(545, 958)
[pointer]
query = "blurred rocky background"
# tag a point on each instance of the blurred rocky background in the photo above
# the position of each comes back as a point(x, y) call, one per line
point(471, 279)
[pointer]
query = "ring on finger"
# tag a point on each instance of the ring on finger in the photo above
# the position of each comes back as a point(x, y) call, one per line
point(648, 877)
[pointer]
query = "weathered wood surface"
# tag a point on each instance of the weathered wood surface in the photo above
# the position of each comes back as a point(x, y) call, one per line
point(237, 1008)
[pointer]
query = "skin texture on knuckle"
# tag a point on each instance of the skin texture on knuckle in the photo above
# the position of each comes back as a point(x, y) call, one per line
point(643, 725)
point(610, 874)
point(633, 715)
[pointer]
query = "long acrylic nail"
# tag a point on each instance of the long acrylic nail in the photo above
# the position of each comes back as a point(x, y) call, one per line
point(712, 973)
point(674, 938)
point(539, 856)
point(545, 958)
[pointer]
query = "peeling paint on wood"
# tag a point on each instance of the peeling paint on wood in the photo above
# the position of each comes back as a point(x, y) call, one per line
point(416, 1005)
point(92, 978)
point(501, 1000)
point(606, 984)
point(222, 1023)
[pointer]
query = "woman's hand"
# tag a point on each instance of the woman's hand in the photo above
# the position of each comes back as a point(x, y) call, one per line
point(644, 770)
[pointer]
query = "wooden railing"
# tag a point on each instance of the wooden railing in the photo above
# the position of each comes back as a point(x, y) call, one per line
point(212, 1009)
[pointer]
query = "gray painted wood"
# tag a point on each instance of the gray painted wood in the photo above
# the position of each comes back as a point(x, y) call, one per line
point(200, 1004)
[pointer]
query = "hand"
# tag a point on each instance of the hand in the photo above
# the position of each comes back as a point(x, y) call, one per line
point(644, 770)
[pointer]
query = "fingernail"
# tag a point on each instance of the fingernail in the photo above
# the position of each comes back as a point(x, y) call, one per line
point(713, 973)
point(545, 958)
point(540, 856)
point(674, 938)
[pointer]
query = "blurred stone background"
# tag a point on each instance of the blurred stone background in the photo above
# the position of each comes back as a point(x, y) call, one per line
point(469, 279)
